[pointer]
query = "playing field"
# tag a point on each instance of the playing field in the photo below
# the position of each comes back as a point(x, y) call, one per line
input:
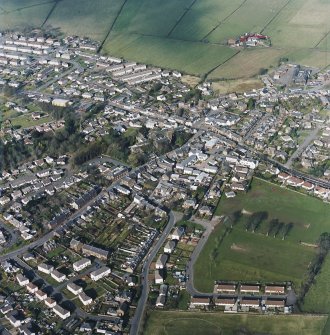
point(246, 255)
point(196, 323)
point(188, 35)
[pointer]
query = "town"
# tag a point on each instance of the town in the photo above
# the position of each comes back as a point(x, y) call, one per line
point(111, 176)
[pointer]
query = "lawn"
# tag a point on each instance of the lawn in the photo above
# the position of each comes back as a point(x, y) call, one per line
point(310, 216)
point(195, 323)
point(317, 299)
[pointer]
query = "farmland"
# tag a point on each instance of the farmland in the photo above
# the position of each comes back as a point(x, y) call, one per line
point(244, 254)
point(187, 35)
point(163, 323)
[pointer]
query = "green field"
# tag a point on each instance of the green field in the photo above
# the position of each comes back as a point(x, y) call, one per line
point(251, 256)
point(188, 35)
point(318, 298)
point(196, 323)
point(310, 216)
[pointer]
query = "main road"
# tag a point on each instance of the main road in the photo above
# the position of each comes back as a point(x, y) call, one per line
point(137, 319)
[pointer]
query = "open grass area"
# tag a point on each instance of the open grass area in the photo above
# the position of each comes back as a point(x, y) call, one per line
point(247, 256)
point(243, 255)
point(318, 297)
point(310, 216)
point(238, 86)
point(26, 121)
point(195, 323)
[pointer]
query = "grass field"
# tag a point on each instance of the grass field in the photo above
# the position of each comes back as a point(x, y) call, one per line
point(244, 255)
point(169, 34)
point(195, 323)
point(318, 298)
point(310, 216)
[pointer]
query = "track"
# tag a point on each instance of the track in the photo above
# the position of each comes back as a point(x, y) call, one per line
point(181, 17)
point(26, 7)
point(322, 39)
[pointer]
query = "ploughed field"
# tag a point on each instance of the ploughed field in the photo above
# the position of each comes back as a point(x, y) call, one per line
point(269, 234)
point(188, 35)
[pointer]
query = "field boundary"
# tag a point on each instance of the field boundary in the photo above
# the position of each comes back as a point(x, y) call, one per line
point(181, 17)
point(223, 20)
point(111, 27)
point(275, 16)
point(50, 12)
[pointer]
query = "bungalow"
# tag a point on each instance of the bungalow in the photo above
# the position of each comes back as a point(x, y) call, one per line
point(58, 276)
point(294, 181)
point(74, 288)
point(225, 288)
point(169, 246)
point(250, 289)
point(100, 273)
point(61, 312)
point(81, 264)
point(85, 299)
point(227, 302)
point(158, 277)
point(283, 176)
point(45, 268)
point(307, 186)
point(161, 261)
point(270, 289)
point(253, 303)
point(13, 319)
point(22, 280)
point(275, 303)
point(199, 301)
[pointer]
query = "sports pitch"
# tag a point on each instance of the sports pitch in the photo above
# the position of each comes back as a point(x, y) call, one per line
point(188, 35)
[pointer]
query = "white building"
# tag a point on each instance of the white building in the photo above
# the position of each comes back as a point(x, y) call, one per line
point(58, 276)
point(45, 268)
point(81, 264)
point(74, 288)
point(61, 312)
point(100, 273)
point(85, 299)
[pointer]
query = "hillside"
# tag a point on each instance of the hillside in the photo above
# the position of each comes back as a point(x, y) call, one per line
point(189, 35)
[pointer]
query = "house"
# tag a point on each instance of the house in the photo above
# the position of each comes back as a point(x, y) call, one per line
point(22, 280)
point(61, 312)
point(122, 309)
point(81, 264)
point(169, 247)
point(275, 303)
point(49, 302)
point(250, 289)
point(253, 303)
point(227, 302)
point(161, 261)
point(270, 289)
point(160, 302)
point(41, 295)
point(74, 288)
point(85, 299)
point(14, 319)
point(158, 277)
point(225, 288)
point(177, 233)
point(27, 329)
point(94, 251)
point(45, 268)
point(199, 302)
point(100, 273)
point(31, 288)
point(58, 276)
